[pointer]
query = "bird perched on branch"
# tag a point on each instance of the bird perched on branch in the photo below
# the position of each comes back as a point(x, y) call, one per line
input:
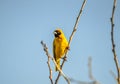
point(60, 46)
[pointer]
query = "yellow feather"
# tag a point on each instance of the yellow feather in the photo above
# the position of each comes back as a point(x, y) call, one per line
point(60, 45)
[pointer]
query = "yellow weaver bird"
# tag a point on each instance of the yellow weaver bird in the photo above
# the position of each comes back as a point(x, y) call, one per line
point(60, 46)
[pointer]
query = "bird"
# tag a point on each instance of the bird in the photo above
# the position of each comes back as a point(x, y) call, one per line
point(60, 46)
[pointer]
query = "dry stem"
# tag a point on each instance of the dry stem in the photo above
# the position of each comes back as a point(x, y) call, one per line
point(90, 68)
point(113, 44)
point(94, 81)
point(48, 62)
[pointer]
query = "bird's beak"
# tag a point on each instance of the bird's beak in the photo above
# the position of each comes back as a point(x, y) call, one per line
point(54, 33)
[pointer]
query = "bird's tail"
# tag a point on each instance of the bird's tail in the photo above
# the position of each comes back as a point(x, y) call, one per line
point(58, 64)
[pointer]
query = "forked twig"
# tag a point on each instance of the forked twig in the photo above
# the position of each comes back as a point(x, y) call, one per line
point(71, 36)
point(94, 81)
point(48, 62)
point(83, 82)
point(90, 71)
point(113, 44)
point(61, 72)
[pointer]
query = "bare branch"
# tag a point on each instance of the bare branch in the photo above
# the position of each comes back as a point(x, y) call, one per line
point(94, 81)
point(90, 68)
point(90, 71)
point(61, 72)
point(77, 20)
point(71, 36)
point(83, 82)
point(48, 62)
point(113, 44)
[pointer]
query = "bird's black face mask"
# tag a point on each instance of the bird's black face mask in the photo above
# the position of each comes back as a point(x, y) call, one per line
point(57, 33)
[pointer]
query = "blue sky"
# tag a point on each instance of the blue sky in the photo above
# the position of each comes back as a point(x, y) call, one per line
point(24, 23)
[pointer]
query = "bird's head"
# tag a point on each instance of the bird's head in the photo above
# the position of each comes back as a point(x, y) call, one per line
point(58, 33)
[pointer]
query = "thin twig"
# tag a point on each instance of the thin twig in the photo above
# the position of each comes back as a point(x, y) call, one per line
point(48, 62)
point(90, 68)
point(113, 74)
point(71, 36)
point(113, 44)
point(90, 71)
point(61, 72)
point(94, 81)
point(83, 82)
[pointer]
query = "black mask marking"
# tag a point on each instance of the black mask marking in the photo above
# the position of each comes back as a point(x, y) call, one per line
point(57, 33)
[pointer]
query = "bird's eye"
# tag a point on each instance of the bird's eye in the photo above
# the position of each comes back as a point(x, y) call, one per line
point(58, 33)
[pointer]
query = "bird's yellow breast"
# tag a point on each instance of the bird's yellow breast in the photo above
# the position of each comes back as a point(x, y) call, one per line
point(60, 47)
